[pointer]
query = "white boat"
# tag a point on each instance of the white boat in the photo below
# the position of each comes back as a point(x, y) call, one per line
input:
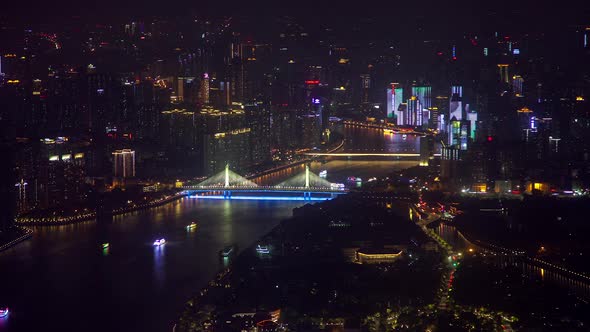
point(262, 250)
point(159, 242)
point(191, 226)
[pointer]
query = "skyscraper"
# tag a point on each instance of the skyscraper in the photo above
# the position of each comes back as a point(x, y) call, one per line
point(503, 72)
point(456, 103)
point(258, 118)
point(365, 87)
point(415, 116)
point(424, 94)
point(517, 85)
point(458, 134)
point(124, 163)
point(440, 107)
point(394, 99)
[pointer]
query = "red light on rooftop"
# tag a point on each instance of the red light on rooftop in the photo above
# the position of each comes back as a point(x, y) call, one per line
point(490, 138)
point(312, 82)
point(439, 53)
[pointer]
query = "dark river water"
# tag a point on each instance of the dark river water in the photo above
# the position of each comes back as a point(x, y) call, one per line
point(62, 279)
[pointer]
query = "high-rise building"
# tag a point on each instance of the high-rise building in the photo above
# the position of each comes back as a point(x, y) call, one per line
point(414, 112)
point(394, 99)
point(517, 85)
point(503, 72)
point(426, 149)
point(124, 163)
point(258, 118)
point(472, 118)
point(458, 134)
point(424, 94)
point(227, 147)
point(457, 90)
point(456, 107)
point(7, 166)
point(205, 89)
point(227, 138)
point(365, 87)
point(310, 130)
point(440, 107)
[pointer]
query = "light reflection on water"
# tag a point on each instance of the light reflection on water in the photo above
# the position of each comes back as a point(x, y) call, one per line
point(451, 235)
point(136, 287)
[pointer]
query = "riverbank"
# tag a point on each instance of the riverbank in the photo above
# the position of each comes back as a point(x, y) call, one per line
point(25, 234)
point(534, 261)
point(63, 220)
point(287, 277)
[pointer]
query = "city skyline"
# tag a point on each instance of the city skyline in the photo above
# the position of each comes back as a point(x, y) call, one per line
point(266, 167)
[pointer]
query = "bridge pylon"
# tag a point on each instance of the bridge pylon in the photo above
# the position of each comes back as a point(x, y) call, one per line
point(226, 175)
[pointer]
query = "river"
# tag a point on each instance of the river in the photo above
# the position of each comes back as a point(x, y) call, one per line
point(460, 244)
point(62, 279)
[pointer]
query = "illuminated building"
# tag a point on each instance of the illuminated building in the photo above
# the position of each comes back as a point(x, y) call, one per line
point(394, 99)
point(204, 94)
point(402, 113)
point(179, 128)
point(442, 124)
point(426, 149)
point(479, 187)
point(526, 122)
point(414, 112)
point(227, 137)
point(440, 110)
point(517, 83)
point(180, 89)
point(541, 187)
point(365, 86)
point(457, 90)
point(502, 186)
point(503, 73)
point(472, 118)
point(456, 104)
point(459, 134)
point(258, 118)
point(453, 170)
point(124, 163)
point(377, 255)
point(228, 147)
point(424, 94)
point(310, 130)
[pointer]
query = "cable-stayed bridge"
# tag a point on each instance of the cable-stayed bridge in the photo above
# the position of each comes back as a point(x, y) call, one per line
point(227, 184)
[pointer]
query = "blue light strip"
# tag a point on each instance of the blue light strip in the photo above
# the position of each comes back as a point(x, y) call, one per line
point(263, 198)
point(3, 313)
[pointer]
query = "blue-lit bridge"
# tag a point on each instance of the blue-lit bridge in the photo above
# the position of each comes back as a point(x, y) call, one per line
point(227, 184)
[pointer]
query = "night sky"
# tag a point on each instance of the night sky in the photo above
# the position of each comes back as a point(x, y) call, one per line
point(434, 15)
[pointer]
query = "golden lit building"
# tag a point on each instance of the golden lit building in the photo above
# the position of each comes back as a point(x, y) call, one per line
point(543, 187)
point(377, 255)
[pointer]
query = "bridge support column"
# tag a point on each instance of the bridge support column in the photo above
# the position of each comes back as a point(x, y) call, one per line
point(226, 194)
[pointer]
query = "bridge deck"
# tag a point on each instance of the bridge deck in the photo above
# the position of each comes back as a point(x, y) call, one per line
point(265, 189)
